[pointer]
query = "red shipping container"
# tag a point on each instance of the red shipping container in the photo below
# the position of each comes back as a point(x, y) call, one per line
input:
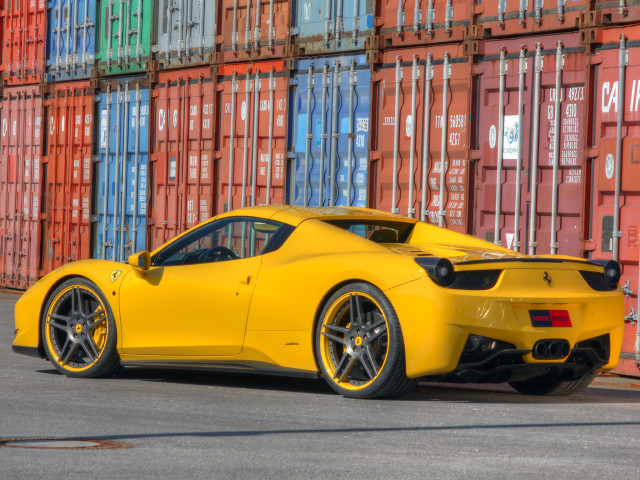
point(253, 132)
point(616, 229)
point(512, 74)
point(253, 30)
point(606, 12)
point(23, 48)
point(67, 170)
point(182, 173)
point(20, 155)
point(508, 18)
point(413, 88)
point(427, 22)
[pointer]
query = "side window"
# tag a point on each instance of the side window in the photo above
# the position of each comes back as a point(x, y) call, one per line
point(224, 240)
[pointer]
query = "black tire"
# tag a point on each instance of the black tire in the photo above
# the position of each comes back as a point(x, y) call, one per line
point(553, 388)
point(359, 344)
point(78, 330)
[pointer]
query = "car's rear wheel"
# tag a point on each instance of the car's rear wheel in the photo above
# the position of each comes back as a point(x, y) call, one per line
point(542, 386)
point(359, 344)
point(78, 330)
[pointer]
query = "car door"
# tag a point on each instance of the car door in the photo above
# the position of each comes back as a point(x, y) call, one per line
point(194, 299)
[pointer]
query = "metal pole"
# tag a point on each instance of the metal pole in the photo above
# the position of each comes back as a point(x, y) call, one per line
point(136, 157)
point(400, 19)
point(234, 32)
point(431, 18)
point(272, 87)
point(246, 137)
point(417, 16)
point(524, 5)
point(85, 26)
point(339, 22)
point(415, 76)
point(534, 155)
point(254, 140)
point(539, 7)
point(623, 61)
point(127, 32)
point(169, 30)
point(123, 171)
point(556, 148)
point(106, 175)
point(396, 138)
point(234, 90)
point(352, 91)
point(272, 29)
point(256, 28)
point(247, 28)
point(448, 20)
point(500, 134)
point(327, 22)
point(516, 223)
point(116, 170)
point(335, 133)
point(59, 37)
point(356, 22)
point(139, 33)
point(428, 77)
point(74, 26)
point(446, 75)
point(323, 138)
point(307, 153)
point(121, 33)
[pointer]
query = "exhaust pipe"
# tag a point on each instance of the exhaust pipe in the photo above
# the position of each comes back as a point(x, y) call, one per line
point(551, 349)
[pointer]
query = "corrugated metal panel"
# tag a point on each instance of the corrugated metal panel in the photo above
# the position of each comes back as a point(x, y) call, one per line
point(121, 183)
point(253, 129)
point(329, 132)
point(616, 231)
point(67, 175)
point(322, 26)
point(253, 29)
point(25, 31)
point(125, 36)
point(422, 22)
point(182, 142)
point(526, 17)
point(546, 214)
point(185, 32)
point(20, 156)
point(415, 151)
point(71, 39)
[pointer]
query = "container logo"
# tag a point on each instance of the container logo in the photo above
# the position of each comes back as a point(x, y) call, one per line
point(162, 119)
point(4, 127)
point(175, 118)
point(492, 136)
point(511, 132)
point(408, 126)
point(609, 166)
point(243, 111)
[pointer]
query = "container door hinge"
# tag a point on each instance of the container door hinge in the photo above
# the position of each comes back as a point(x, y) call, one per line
point(632, 318)
point(626, 289)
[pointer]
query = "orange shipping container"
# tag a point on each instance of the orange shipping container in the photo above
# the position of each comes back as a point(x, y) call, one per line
point(23, 51)
point(20, 155)
point(253, 132)
point(421, 113)
point(67, 170)
point(182, 172)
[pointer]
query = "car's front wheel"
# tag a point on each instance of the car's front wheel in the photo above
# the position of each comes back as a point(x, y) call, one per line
point(542, 386)
point(359, 344)
point(78, 330)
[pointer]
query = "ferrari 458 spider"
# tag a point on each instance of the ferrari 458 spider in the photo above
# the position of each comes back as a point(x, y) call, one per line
point(370, 301)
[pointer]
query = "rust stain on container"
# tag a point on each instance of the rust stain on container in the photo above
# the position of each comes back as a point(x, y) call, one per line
point(20, 183)
point(182, 159)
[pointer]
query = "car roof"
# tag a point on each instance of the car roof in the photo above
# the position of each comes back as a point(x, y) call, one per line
point(294, 215)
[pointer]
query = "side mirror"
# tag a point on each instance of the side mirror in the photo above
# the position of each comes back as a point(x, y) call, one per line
point(140, 261)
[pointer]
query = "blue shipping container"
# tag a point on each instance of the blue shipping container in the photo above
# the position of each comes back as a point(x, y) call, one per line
point(330, 105)
point(331, 25)
point(71, 39)
point(122, 177)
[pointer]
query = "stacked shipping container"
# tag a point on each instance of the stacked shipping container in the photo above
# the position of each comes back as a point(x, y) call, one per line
point(126, 122)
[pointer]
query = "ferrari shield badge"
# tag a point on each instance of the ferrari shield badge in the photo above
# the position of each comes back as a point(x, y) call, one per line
point(115, 274)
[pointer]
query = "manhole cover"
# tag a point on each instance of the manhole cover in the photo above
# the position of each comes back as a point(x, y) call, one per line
point(63, 443)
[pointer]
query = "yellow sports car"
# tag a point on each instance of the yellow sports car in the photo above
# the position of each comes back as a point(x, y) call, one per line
point(372, 302)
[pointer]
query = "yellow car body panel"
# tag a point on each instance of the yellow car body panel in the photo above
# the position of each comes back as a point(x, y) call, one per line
point(261, 312)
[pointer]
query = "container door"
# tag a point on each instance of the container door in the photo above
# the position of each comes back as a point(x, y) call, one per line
point(69, 172)
point(24, 29)
point(253, 126)
point(540, 209)
point(185, 31)
point(71, 39)
point(182, 167)
point(20, 187)
point(122, 179)
point(330, 131)
point(421, 162)
point(617, 137)
point(125, 36)
point(332, 25)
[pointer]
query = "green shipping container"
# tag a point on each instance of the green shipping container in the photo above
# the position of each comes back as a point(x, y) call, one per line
point(125, 36)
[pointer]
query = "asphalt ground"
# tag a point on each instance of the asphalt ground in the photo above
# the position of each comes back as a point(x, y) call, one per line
point(164, 424)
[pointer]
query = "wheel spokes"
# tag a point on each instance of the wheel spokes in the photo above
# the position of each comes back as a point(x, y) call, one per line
point(101, 318)
point(355, 310)
point(347, 368)
point(89, 347)
point(60, 322)
point(77, 295)
point(71, 351)
point(335, 338)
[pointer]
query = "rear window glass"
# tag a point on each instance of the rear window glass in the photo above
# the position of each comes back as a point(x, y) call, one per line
point(378, 231)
